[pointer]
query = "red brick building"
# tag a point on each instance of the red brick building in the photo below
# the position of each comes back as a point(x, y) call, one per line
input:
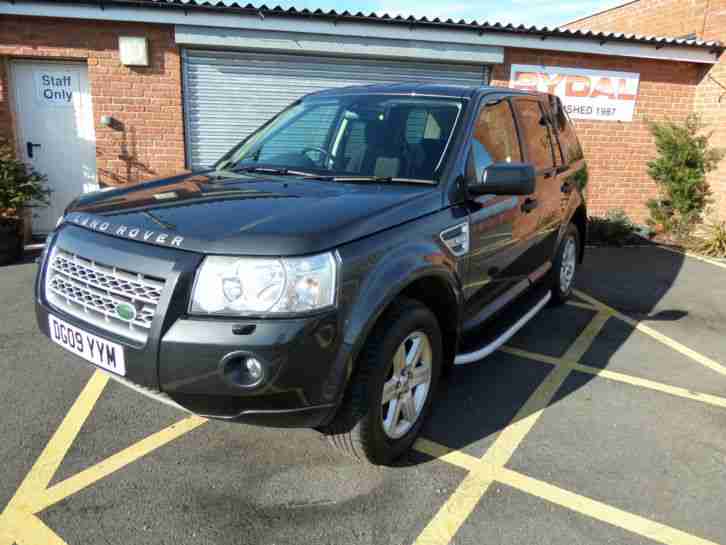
point(702, 19)
point(105, 93)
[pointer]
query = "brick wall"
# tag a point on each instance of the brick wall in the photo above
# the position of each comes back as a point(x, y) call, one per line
point(145, 100)
point(656, 17)
point(710, 100)
point(707, 20)
point(616, 151)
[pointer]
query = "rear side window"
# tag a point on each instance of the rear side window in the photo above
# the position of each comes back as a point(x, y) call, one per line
point(537, 135)
point(495, 136)
point(569, 143)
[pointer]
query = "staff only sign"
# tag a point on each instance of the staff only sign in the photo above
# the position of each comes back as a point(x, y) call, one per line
point(585, 94)
point(56, 88)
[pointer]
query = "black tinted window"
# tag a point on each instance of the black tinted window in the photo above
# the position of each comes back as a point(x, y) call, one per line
point(537, 136)
point(495, 136)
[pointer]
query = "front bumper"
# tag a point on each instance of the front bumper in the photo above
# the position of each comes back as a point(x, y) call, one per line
point(305, 360)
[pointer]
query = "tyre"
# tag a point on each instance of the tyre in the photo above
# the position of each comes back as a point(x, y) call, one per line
point(564, 266)
point(392, 387)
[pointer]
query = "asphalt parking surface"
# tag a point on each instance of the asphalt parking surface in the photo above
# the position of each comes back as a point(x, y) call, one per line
point(583, 430)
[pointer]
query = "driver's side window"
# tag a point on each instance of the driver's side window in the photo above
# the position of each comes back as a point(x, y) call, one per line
point(494, 139)
point(310, 130)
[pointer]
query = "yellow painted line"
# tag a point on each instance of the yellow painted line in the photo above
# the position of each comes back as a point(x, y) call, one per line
point(443, 526)
point(598, 510)
point(50, 459)
point(694, 256)
point(447, 521)
point(25, 529)
point(620, 377)
point(18, 523)
point(581, 305)
point(660, 337)
point(446, 454)
point(585, 339)
point(512, 436)
point(113, 463)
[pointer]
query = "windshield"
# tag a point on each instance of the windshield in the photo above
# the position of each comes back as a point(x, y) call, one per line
point(381, 136)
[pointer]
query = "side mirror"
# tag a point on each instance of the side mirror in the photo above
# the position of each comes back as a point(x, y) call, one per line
point(504, 179)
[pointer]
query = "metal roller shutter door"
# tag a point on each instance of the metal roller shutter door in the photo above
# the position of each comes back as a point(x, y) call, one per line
point(229, 94)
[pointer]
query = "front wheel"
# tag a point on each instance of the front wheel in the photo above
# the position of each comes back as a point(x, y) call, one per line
point(392, 387)
point(564, 266)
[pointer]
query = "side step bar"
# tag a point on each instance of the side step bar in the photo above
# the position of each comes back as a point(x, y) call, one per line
point(483, 352)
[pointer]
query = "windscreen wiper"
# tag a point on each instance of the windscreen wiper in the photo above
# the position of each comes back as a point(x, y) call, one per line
point(283, 172)
point(382, 179)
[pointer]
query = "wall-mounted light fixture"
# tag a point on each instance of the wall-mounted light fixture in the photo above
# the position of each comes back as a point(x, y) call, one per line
point(134, 50)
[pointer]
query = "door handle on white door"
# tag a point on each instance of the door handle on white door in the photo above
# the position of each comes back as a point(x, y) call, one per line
point(29, 148)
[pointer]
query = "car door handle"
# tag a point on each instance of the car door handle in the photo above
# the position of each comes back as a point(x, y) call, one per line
point(29, 148)
point(529, 204)
point(566, 187)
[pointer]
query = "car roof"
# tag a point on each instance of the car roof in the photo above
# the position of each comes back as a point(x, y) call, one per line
point(413, 88)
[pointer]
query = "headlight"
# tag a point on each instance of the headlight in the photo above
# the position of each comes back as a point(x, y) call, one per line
point(233, 286)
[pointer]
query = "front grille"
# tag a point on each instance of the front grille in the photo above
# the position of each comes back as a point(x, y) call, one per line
point(93, 292)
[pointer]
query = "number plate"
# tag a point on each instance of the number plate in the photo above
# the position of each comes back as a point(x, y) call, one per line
point(90, 347)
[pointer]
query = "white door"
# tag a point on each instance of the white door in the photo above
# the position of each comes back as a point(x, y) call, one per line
point(55, 135)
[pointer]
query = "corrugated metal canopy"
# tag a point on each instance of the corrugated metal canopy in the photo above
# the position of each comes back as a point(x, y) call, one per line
point(544, 32)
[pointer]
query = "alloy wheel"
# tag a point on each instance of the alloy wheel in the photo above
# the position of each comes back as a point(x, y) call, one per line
point(407, 387)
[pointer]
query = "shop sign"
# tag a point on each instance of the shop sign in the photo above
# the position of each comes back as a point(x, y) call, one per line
point(586, 94)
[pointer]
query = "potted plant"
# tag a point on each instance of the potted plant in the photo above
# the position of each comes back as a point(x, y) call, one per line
point(20, 188)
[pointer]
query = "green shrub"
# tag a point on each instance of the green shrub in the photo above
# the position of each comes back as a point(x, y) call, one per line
point(713, 241)
point(615, 229)
point(20, 185)
point(684, 159)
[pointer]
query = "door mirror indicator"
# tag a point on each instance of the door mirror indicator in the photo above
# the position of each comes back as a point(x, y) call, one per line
point(504, 179)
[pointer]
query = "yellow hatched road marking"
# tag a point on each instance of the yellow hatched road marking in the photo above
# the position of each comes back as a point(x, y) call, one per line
point(447, 521)
point(619, 377)
point(485, 473)
point(113, 463)
point(585, 339)
point(598, 510)
point(50, 459)
point(660, 337)
point(18, 523)
point(446, 454)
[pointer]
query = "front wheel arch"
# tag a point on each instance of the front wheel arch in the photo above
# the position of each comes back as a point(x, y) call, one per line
point(438, 291)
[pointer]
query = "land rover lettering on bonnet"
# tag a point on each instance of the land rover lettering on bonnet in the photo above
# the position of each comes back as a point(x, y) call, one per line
point(126, 231)
point(330, 267)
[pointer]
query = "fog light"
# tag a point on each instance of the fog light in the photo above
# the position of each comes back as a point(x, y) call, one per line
point(254, 368)
point(243, 370)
